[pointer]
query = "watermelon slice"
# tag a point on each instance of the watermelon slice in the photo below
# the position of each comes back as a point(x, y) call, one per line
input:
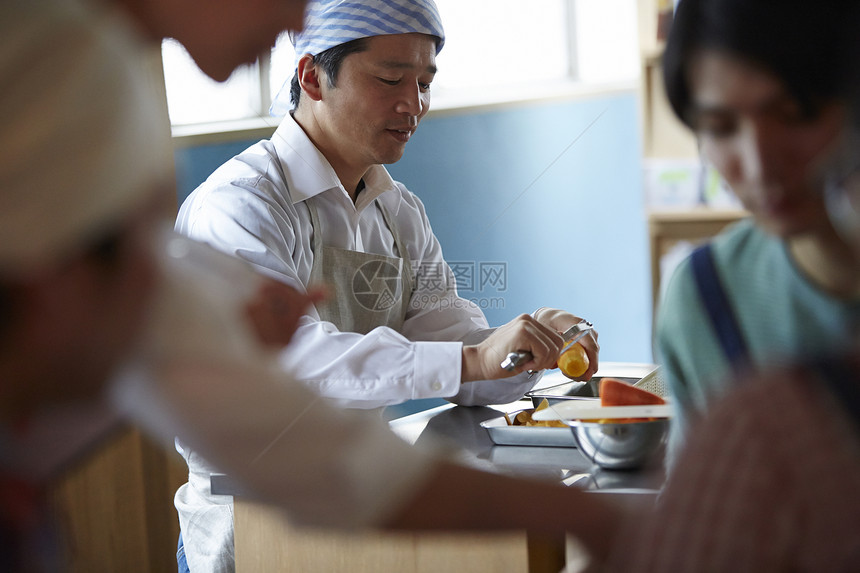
point(617, 393)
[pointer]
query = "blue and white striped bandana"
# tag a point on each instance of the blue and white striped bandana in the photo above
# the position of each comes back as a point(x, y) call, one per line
point(330, 23)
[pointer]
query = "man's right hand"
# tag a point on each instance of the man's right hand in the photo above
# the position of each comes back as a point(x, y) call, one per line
point(524, 333)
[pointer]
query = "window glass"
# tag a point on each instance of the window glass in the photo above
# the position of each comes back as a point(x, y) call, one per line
point(282, 66)
point(607, 43)
point(193, 97)
point(490, 45)
point(484, 45)
point(502, 42)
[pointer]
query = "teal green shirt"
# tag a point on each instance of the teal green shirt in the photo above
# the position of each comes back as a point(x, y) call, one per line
point(783, 317)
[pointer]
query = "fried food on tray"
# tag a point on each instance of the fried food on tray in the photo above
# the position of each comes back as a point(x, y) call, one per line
point(524, 418)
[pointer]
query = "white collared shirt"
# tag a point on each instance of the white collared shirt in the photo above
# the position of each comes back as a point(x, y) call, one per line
point(244, 208)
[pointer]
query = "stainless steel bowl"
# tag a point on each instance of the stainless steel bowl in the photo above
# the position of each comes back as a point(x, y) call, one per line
point(621, 445)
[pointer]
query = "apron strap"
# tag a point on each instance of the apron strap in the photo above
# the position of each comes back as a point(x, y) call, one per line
point(719, 310)
point(401, 250)
point(316, 245)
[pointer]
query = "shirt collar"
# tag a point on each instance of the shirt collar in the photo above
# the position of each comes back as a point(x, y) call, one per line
point(308, 173)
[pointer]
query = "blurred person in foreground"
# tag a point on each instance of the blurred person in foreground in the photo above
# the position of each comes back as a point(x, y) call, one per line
point(99, 304)
point(763, 86)
point(219, 34)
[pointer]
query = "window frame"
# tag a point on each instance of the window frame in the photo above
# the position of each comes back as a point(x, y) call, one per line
point(571, 86)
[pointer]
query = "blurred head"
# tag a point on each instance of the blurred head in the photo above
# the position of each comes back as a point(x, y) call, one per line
point(219, 34)
point(85, 167)
point(765, 87)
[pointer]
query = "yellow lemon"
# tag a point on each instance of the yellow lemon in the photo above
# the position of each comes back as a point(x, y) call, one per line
point(574, 361)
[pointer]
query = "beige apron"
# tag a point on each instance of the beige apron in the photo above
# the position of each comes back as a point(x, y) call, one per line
point(369, 290)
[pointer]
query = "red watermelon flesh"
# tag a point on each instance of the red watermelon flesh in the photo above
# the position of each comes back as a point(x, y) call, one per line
point(617, 393)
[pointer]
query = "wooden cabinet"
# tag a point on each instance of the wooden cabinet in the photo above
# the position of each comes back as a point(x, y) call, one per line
point(265, 542)
point(663, 135)
point(116, 506)
point(668, 228)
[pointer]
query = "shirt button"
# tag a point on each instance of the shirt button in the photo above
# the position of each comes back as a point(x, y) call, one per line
point(436, 386)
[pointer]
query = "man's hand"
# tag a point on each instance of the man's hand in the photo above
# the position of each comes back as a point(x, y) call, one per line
point(560, 321)
point(275, 310)
point(524, 333)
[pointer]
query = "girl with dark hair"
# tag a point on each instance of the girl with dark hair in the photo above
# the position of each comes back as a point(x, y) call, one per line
point(765, 86)
point(763, 482)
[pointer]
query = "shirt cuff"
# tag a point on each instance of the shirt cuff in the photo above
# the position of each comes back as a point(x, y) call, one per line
point(437, 371)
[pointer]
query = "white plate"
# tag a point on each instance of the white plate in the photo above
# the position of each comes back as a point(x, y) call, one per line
point(578, 410)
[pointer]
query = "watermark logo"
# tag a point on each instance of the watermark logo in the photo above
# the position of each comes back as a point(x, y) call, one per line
point(493, 275)
point(464, 274)
point(461, 284)
point(376, 285)
point(471, 276)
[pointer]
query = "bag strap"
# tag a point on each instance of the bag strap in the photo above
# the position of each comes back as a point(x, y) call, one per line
point(719, 309)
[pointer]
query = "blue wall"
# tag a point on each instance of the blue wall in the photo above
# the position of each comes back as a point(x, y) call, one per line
point(549, 208)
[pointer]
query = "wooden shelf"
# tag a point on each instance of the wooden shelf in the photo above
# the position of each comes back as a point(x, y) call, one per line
point(663, 135)
point(116, 506)
point(667, 227)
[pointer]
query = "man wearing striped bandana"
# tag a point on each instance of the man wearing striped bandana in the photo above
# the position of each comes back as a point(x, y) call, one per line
point(314, 205)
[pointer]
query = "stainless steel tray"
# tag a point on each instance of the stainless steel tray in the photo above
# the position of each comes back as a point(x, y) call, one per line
point(504, 435)
point(573, 390)
point(555, 386)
